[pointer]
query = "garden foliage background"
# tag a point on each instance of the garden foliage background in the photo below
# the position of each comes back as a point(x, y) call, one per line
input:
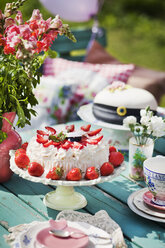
point(135, 29)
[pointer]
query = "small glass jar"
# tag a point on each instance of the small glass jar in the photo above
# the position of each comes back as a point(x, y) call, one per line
point(137, 155)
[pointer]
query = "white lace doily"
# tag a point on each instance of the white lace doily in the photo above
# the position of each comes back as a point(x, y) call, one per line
point(101, 220)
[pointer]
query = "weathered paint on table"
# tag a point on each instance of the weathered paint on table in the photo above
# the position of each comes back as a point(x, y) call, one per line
point(21, 201)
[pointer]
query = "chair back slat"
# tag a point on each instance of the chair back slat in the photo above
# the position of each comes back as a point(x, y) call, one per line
point(64, 46)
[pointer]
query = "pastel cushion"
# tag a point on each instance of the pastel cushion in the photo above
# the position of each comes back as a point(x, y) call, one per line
point(110, 71)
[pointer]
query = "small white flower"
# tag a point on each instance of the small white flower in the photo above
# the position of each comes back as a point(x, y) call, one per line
point(157, 126)
point(145, 112)
point(129, 120)
point(145, 120)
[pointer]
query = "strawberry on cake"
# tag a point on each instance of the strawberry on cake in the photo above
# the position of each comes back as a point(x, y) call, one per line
point(60, 152)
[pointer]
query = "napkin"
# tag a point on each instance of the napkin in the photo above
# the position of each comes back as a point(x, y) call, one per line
point(101, 220)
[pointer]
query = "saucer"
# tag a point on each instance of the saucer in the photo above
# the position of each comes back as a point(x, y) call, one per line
point(147, 198)
point(44, 238)
point(137, 205)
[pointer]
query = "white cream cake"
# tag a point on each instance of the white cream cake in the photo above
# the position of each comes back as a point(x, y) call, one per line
point(90, 149)
point(119, 100)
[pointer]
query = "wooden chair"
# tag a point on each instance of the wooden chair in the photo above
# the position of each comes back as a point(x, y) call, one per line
point(73, 51)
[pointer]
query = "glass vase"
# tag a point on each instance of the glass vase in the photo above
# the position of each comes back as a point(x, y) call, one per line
point(137, 155)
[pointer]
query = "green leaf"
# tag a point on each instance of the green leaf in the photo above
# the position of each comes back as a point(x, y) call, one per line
point(3, 136)
point(21, 115)
point(52, 54)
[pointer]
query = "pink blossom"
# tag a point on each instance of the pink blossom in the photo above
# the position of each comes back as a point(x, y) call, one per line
point(25, 32)
point(9, 21)
point(56, 23)
point(33, 25)
point(42, 27)
point(36, 15)
point(11, 29)
point(13, 40)
point(30, 44)
point(19, 18)
point(19, 54)
point(48, 21)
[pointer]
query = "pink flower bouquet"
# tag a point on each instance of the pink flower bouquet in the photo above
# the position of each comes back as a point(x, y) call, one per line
point(23, 48)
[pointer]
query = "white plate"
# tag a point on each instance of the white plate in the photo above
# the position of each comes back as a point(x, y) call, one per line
point(136, 210)
point(27, 238)
point(86, 114)
point(24, 174)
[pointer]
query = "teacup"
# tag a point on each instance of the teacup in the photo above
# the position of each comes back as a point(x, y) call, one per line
point(154, 172)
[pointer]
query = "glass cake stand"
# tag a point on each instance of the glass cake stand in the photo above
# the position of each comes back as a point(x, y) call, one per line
point(64, 197)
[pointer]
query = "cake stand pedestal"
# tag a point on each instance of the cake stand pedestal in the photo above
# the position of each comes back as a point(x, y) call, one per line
point(64, 197)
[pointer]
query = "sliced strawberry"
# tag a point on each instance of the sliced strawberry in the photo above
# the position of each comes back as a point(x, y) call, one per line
point(70, 128)
point(86, 128)
point(41, 132)
point(94, 141)
point(41, 140)
point(77, 145)
point(51, 129)
point(56, 143)
point(48, 143)
point(66, 145)
point(92, 133)
point(24, 145)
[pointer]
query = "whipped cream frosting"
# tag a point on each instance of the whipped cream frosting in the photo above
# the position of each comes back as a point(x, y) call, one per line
point(51, 156)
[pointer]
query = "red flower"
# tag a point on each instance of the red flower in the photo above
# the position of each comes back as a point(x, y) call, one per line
point(33, 25)
point(8, 50)
point(2, 40)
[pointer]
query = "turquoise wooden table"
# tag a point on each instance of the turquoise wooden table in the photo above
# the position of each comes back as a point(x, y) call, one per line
point(21, 201)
